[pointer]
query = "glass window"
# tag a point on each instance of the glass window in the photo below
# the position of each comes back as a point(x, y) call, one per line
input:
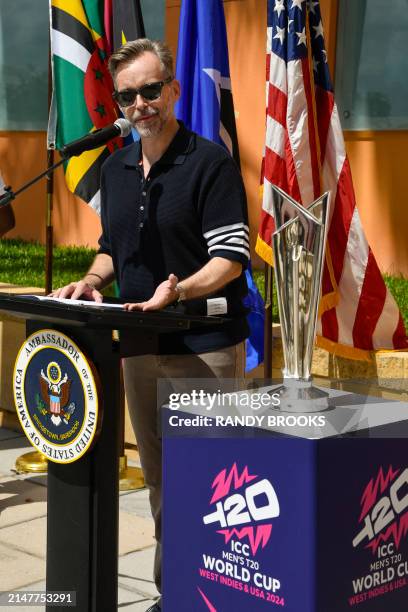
point(23, 64)
point(372, 64)
point(153, 18)
point(24, 27)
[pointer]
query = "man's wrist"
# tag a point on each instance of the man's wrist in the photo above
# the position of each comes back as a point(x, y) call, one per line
point(93, 281)
point(182, 294)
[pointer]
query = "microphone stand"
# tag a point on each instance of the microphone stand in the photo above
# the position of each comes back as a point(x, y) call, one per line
point(10, 195)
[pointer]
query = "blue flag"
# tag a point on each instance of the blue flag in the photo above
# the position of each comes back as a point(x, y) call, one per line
point(206, 107)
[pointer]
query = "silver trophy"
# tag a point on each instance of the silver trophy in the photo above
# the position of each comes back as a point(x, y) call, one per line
point(299, 248)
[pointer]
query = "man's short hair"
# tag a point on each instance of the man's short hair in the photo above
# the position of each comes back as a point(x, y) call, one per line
point(135, 48)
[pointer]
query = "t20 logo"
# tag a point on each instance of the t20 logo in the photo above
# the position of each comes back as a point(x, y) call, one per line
point(238, 509)
point(388, 517)
point(256, 503)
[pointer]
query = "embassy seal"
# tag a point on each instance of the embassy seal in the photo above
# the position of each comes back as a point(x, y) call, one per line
point(56, 396)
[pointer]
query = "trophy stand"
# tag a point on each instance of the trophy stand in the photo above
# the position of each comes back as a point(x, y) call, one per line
point(299, 246)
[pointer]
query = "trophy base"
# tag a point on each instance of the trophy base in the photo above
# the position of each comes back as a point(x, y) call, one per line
point(301, 396)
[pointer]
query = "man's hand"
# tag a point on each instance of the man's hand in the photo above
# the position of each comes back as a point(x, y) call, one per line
point(100, 274)
point(217, 273)
point(80, 289)
point(165, 294)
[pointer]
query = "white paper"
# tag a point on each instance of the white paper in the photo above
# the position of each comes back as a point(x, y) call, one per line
point(75, 302)
point(217, 306)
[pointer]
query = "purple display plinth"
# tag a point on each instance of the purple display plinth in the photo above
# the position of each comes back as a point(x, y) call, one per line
point(257, 519)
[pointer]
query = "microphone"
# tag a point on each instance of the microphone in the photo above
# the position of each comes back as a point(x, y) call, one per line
point(121, 127)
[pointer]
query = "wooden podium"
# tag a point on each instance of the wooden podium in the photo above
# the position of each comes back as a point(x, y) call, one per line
point(83, 509)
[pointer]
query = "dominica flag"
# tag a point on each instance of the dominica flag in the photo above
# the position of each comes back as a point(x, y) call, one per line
point(83, 34)
point(82, 89)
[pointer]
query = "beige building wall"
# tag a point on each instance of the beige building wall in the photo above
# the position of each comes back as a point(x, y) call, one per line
point(23, 155)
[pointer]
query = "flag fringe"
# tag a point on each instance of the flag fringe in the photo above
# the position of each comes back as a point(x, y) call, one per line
point(329, 263)
point(264, 251)
point(348, 352)
point(328, 301)
point(342, 350)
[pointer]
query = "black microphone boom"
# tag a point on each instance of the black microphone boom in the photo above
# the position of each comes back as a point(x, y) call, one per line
point(93, 140)
point(121, 127)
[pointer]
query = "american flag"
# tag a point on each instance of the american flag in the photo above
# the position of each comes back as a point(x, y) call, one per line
point(305, 156)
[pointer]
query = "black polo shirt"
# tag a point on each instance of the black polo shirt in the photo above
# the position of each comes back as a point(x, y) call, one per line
point(190, 208)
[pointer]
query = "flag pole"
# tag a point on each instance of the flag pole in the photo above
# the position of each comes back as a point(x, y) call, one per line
point(49, 236)
point(49, 228)
point(268, 341)
point(35, 462)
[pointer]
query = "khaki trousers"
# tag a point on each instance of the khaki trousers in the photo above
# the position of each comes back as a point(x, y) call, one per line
point(140, 375)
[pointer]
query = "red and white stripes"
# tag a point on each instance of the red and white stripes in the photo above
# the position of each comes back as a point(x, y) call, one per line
point(305, 156)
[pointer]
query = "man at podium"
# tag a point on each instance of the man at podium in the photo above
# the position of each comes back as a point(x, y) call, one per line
point(174, 230)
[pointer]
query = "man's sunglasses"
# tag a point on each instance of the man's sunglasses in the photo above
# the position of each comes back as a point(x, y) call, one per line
point(150, 91)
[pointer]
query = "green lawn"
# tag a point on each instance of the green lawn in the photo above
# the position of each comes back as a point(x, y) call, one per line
point(399, 289)
point(22, 263)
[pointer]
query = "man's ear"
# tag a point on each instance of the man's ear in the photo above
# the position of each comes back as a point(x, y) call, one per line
point(176, 87)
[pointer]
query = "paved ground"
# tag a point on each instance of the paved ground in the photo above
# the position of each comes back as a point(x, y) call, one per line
point(23, 511)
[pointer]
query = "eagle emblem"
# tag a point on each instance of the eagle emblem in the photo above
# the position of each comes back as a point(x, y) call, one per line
point(55, 391)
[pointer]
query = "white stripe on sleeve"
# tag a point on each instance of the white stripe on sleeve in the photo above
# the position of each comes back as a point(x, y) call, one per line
point(225, 228)
point(241, 235)
point(223, 247)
